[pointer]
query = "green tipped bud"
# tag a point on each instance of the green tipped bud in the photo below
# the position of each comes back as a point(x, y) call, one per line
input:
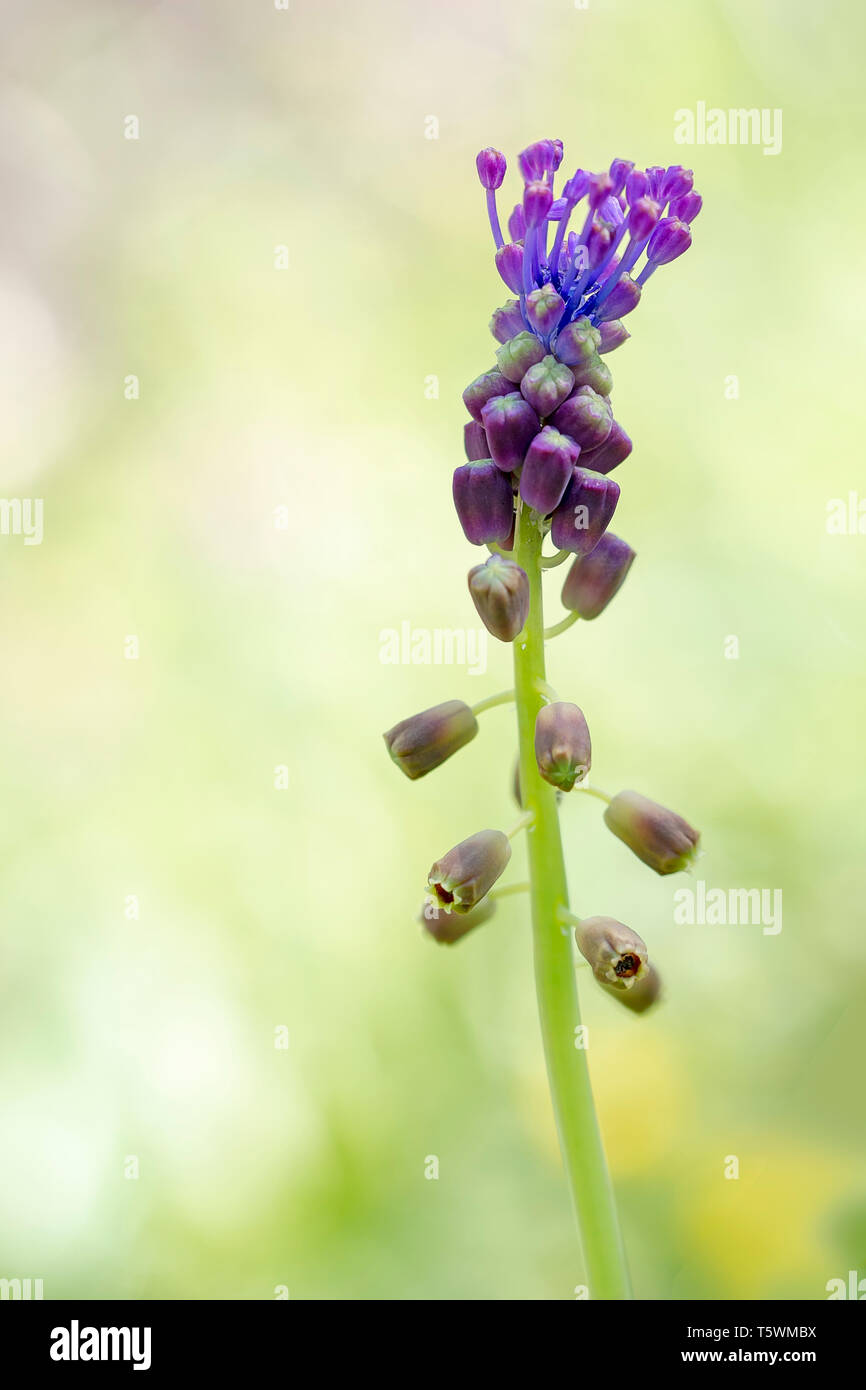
point(594, 373)
point(617, 954)
point(613, 335)
point(448, 927)
point(461, 878)
point(519, 354)
point(500, 592)
point(425, 740)
point(645, 991)
point(563, 749)
point(547, 385)
point(577, 342)
point(656, 835)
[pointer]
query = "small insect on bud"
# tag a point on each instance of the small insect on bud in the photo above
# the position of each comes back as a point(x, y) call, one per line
point(547, 385)
point(563, 749)
point(461, 878)
point(547, 470)
point(593, 579)
point(448, 927)
point(484, 502)
point(507, 321)
point(483, 389)
point(491, 167)
point(617, 954)
point(426, 740)
point(659, 837)
point(613, 335)
point(644, 992)
point(519, 354)
point(510, 424)
point(500, 592)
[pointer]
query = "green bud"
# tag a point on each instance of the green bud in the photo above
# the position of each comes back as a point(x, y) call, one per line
point(659, 837)
point(617, 954)
point(461, 878)
point(594, 373)
point(577, 342)
point(519, 354)
point(425, 740)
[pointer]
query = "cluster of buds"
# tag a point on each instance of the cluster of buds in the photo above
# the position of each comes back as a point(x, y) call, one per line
point(542, 438)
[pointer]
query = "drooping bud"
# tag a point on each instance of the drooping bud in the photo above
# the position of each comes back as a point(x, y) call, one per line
point(544, 309)
point(615, 449)
point(577, 342)
point(617, 954)
point(500, 592)
point(537, 199)
point(563, 749)
point(509, 423)
point(645, 990)
point(475, 441)
point(613, 335)
point(547, 470)
point(594, 373)
point(491, 167)
point(482, 389)
point(448, 927)
point(659, 837)
point(594, 579)
point(586, 417)
point(546, 385)
point(484, 502)
point(509, 263)
point(686, 208)
point(507, 322)
point(624, 297)
point(669, 240)
point(584, 513)
point(461, 878)
point(426, 740)
point(519, 354)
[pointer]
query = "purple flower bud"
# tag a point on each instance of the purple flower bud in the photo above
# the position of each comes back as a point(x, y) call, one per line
point(475, 441)
point(642, 217)
point(509, 263)
point(585, 512)
point(576, 186)
point(539, 159)
point(656, 175)
point(669, 240)
point(637, 185)
point(510, 424)
point(546, 385)
point(537, 199)
point(563, 749)
point(659, 837)
point(600, 188)
point(448, 927)
point(608, 455)
point(507, 322)
point(483, 389)
point(484, 502)
point(517, 223)
point(613, 335)
point(426, 740)
point(586, 417)
point(617, 954)
point(619, 172)
point(599, 241)
point(686, 208)
point(593, 579)
point(544, 308)
point(519, 354)
point(461, 878)
point(577, 342)
point(624, 297)
point(594, 373)
point(500, 592)
point(547, 470)
point(677, 183)
point(491, 167)
point(645, 990)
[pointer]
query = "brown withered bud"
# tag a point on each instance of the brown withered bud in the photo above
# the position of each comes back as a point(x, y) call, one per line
point(659, 837)
point(426, 740)
point(617, 954)
point(563, 749)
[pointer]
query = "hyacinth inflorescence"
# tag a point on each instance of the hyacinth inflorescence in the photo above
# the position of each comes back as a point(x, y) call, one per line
point(542, 427)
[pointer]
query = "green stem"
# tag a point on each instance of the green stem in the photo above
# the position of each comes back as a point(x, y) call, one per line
point(561, 626)
point(504, 697)
point(568, 1074)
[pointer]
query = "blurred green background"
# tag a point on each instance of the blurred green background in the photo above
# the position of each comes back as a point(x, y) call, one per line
point(307, 389)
